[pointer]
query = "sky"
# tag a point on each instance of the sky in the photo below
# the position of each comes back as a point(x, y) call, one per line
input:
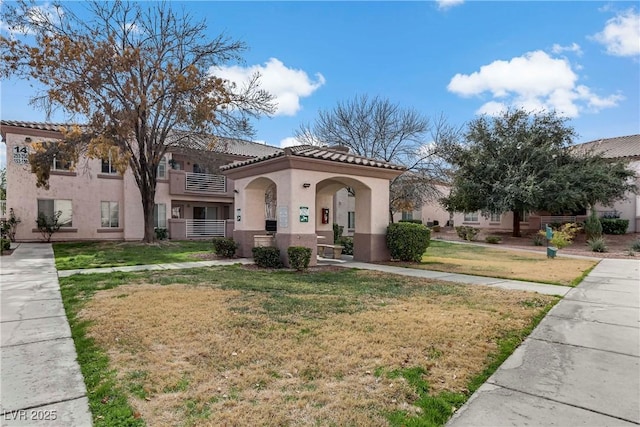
point(454, 58)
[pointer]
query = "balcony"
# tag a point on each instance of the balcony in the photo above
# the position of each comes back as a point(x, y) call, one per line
point(203, 184)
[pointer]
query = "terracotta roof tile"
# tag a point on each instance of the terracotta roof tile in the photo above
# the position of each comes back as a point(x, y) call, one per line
point(323, 153)
point(614, 148)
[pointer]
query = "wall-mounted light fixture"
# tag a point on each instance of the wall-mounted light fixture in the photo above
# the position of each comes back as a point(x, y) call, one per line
point(27, 139)
point(235, 191)
point(306, 185)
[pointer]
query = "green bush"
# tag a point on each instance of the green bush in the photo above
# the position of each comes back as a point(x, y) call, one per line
point(267, 257)
point(408, 241)
point(635, 246)
point(5, 244)
point(593, 226)
point(48, 225)
point(161, 233)
point(347, 245)
point(493, 239)
point(597, 244)
point(225, 247)
point(299, 257)
point(467, 232)
point(337, 232)
point(614, 225)
point(539, 239)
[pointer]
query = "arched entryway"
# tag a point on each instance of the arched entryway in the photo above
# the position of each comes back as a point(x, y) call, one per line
point(306, 178)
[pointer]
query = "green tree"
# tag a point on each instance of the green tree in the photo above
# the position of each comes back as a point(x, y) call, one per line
point(3, 183)
point(138, 73)
point(523, 162)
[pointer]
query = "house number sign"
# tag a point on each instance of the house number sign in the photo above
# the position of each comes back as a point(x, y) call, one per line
point(20, 155)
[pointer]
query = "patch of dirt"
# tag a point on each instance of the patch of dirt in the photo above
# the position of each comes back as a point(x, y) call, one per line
point(618, 245)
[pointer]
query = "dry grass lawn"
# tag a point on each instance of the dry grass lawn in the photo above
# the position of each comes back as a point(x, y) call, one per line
point(206, 354)
point(509, 264)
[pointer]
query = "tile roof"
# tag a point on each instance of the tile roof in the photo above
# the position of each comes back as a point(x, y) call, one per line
point(613, 148)
point(231, 146)
point(322, 153)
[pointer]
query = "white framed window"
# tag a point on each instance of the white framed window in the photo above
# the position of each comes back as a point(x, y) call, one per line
point(524, 216)
point(50, 207)
point(471, 216)
point(109, 215)
point(60, 165)
point(162, 168)
point(407, 215)
point(495, 217)
point(108, 165)
point(160, 215)
point(351, 219)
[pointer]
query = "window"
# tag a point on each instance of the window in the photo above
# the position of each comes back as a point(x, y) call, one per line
point(109, 214)
point(407, 215)
point(108, 165)
point(160, 215)
point(351, 219)
point(50, 208)
point(176, 211)
point(471, 216)
point(60, 165)
point(524, 216)
point(162, 168)
point(495, 217)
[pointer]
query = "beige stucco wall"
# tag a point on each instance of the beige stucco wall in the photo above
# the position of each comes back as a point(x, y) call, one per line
point(629, 208)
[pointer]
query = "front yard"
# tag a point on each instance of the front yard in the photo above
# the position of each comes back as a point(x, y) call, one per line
point(242, 346)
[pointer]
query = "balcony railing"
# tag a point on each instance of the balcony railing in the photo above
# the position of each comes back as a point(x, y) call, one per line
point(206, 183)
point(3, 208)
point(205, 228)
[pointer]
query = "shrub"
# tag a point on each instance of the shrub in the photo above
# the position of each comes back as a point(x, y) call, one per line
point(347, 245)
point(493, 239)
point(267, 257)
point(614, 225)
point(597, 244)
point(337, 232)
point(225, 247)
point(467, 232)
point(299, 257)
point(5, 244)
point(408, 241)
point(593, 226)
point(540, 238)
point(48, 225)
point(635, 246)
point(563, 237)
point(161, 233)
point(9, 226)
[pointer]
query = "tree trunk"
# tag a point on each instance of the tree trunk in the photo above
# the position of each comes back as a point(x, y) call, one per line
point(516, 223)
point(148, 204)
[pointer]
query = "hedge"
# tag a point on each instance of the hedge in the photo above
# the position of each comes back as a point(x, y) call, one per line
point(408, 241)
point(614, 225)
point(225, 247)
point(267, 256)
point(299, 257)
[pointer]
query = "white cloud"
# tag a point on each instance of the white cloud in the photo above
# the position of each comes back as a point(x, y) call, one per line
point(621, 34)
point(289, 141)
point(448, 4)
point(534, 82)
point(36, 14)
point(573, 47)
point(288, 85)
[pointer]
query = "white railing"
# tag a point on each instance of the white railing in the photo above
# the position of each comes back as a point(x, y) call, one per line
point(556, 219)
point(205, 228)
point(204, 182)
point(3, 208)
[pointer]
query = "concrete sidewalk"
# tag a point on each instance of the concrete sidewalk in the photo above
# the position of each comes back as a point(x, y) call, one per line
point(41, 382)
point(579, 367)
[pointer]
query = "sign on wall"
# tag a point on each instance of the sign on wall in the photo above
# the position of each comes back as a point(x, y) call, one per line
point(304, 214)
point(21, 154)
point(283, 216)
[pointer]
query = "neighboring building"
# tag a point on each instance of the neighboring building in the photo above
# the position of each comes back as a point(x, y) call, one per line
point(98, 203)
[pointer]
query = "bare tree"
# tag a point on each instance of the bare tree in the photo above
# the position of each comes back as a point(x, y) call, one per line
point(139, 74)
point(377, 128)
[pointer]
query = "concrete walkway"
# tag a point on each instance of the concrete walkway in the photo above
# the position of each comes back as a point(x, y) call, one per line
point(41, 382)
point(579, 367)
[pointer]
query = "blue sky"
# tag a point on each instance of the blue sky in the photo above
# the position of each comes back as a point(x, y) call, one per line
point(455, 58)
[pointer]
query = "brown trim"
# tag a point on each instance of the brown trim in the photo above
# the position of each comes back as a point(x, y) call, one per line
point(27, 132)
point(62, 173)
point(109, 176)
point(109, 230)
point(62, 230)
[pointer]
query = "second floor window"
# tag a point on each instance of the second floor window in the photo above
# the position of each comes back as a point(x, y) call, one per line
point(162, 168)
point(108, 166)
point(60, 165)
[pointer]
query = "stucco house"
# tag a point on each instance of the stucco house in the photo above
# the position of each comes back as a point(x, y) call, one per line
point(98, 203)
